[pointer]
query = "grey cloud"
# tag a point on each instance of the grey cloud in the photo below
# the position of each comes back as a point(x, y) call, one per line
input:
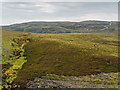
point(25, 11)
point(60, 0)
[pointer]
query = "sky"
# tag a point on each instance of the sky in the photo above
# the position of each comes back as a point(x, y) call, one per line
point(59, 0)
point(18, 12)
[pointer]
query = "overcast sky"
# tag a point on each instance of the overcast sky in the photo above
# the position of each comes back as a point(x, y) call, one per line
point(59, 0)
point(18, 12)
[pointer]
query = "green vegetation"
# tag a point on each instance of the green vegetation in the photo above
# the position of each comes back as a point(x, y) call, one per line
point(14, 61)
point(66, 27)
point(68, 54)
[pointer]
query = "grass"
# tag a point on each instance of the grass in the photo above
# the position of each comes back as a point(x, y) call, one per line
point(69, 54)
point(73, 54)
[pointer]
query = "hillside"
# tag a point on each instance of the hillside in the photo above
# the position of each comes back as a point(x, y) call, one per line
point(30, 55)
point(66, 27)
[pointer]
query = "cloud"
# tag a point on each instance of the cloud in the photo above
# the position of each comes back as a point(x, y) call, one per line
point(60, 0)
point(100, 16)
point(45, 7)
point(14, 12)
point(42, 7)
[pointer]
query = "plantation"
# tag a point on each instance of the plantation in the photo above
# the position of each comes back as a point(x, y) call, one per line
point(78, 55)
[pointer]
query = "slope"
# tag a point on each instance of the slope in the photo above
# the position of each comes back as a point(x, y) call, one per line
point(68, 54)
point(109, 27)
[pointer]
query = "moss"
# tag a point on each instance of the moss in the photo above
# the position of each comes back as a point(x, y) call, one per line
point(18, 60)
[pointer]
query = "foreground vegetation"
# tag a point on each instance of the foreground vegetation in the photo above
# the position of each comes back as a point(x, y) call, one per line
point(103, 80)
point(13, 61)
point(71, 55)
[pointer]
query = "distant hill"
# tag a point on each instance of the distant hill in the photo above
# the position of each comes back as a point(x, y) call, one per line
point(90, 26)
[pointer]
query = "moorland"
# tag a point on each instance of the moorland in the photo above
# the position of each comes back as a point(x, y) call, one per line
point(59, 60)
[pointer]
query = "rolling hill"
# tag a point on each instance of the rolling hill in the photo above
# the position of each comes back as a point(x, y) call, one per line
point(108, 27)
point(30, 55)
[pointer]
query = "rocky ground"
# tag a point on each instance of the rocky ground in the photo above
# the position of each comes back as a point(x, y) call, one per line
point(102, 80)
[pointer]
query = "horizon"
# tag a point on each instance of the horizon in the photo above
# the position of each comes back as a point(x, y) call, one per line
point(55, 21)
